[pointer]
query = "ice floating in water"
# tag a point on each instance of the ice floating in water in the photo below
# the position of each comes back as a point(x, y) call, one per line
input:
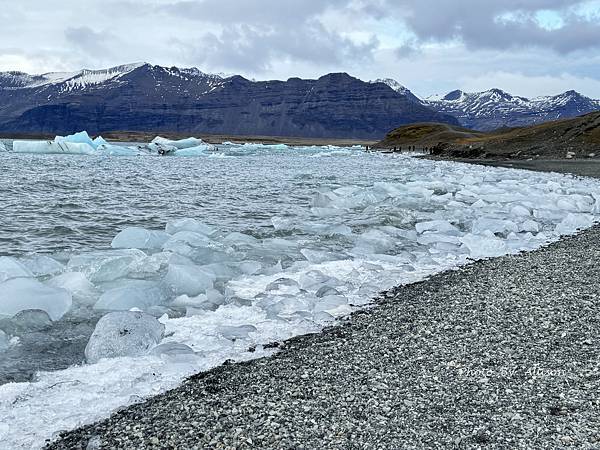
point(180, 144)
point(19, 294)
point(51, 147)
point(81, 138)
point(126, 333)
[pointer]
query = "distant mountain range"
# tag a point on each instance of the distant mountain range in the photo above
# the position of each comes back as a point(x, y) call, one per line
point(495, 108)
point(145, 97)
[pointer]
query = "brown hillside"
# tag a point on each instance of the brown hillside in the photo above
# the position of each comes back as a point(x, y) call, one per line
point(571, 138)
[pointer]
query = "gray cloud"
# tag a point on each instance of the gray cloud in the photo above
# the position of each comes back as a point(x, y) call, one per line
point(429, 45)
point(477, 24)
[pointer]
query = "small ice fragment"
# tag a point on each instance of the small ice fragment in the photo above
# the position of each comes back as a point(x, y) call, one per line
point(19, 294)
point(325, 291)
point(140, 238)
point(520, 210)
point(439, 226)
point(236, 332)
point(171, 349)
point(123, 333)
point(282, 284)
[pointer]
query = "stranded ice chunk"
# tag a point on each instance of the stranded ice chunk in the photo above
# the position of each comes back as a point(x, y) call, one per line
point(19, 294)
point(124, 333)
point(11, 268)
point(140, 238)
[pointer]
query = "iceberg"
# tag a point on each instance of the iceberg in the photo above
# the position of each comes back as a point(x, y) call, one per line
point(19, 294)
point(52, 147)
point(80, 138)
point(123, 333)
point(3, 147)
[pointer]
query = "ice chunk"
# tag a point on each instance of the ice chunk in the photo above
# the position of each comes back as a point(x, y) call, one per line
point(51, 147)
point(29, 320)
point(520, 210)
point(494, 225)
point(123, 333)
point(19, 294)
point(189, 280)
point(2, 147)
point(439, 226)
point(180, 144)
point(171, 349)
point(529, 225)
point(199, 150)
point(283, 284)
point(140, 238)
point(240, 239)
point(135, 294)
point(484, 246)
point(236, 332)
point(574, 222)
point(188, 224)
point(42, 265)
point(330, 303)
point(191, 238)
point(11, 268)
point(108, 265)
point(80, 138)
point(77, 284)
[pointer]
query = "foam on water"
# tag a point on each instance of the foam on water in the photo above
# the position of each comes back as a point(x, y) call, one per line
point(223, 292)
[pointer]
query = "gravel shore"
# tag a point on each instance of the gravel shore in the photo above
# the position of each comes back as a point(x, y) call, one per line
point(503, 354)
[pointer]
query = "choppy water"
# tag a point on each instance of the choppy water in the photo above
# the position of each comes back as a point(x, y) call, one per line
point(313, 220)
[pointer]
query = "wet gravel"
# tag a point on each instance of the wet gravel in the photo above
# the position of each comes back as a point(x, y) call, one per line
point(504, 353)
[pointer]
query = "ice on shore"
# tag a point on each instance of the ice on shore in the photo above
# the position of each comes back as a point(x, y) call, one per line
point(18, 294)
point(140, 238)
point(11, 268)
point(126, 333)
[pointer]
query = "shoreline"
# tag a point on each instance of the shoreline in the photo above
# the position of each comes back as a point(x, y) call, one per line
point(474, 356)
point(457, 359)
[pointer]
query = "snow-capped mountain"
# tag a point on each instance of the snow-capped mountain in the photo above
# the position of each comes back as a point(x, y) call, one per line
point(145, 97)
point(400, 88)
point(497, 109)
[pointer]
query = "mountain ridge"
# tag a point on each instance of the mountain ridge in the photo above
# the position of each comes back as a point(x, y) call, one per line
point(145, 97)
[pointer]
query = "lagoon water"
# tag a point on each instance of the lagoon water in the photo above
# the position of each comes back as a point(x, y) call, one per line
point(283, 241)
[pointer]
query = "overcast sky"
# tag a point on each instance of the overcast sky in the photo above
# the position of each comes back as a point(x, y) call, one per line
point(527, 47)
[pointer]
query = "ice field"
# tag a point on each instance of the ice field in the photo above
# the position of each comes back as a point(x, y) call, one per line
point(164, 267)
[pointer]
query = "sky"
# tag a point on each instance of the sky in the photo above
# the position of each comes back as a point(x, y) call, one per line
point(526, 47)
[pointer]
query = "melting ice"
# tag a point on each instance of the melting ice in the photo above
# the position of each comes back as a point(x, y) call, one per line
point(186, 298)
